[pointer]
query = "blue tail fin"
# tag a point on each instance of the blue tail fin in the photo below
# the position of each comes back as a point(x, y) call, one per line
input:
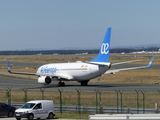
point(103, 55)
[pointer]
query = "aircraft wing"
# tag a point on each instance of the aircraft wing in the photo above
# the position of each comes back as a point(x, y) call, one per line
point(124, 62)
point(117, 70)
point(25, 73)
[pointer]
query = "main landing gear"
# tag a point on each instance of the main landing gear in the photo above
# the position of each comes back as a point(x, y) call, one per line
point(84, 83)
point(61, 83)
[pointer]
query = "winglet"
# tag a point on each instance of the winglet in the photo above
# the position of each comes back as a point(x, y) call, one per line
point(150, 63)
point(9, 67)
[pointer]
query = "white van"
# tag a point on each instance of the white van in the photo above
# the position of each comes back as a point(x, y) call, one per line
point(36, 109)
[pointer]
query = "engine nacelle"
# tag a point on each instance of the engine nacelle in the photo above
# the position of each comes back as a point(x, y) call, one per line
point(44, 80)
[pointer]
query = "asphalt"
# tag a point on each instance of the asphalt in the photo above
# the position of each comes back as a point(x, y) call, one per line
point(7, 81)
point(20, 83)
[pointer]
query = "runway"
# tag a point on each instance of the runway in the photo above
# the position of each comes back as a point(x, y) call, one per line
point(20, 83)
point(7, 81)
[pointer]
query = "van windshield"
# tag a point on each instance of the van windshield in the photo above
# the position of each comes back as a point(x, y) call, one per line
point(28, 105)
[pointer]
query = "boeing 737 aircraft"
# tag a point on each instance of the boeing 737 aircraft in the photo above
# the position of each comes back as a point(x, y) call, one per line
point(81, 72)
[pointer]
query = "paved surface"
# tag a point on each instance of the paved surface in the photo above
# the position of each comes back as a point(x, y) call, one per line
point(19, 83)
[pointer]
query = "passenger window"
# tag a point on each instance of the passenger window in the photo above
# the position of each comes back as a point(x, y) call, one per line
point(38, 106)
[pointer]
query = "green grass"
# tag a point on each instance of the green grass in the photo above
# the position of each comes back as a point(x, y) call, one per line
point(108, 99)
point(71, 116)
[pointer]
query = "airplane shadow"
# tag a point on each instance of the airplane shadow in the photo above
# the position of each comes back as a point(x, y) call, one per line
point(89, 86)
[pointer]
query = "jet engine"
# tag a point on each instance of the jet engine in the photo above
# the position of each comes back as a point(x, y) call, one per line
point(44, 80)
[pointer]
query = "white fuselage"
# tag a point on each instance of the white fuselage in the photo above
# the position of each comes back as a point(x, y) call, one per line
point(73, 71)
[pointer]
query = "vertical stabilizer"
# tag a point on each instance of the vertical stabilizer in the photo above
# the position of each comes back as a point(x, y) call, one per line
point(103, 55)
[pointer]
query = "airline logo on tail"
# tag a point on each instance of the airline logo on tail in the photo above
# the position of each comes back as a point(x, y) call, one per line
point(103, 55)
point(105, 48)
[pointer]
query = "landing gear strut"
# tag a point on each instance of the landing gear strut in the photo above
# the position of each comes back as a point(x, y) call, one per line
point(61, 83)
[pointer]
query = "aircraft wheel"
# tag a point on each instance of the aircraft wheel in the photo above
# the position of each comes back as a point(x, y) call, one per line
point(84, 83)
point(61, 83)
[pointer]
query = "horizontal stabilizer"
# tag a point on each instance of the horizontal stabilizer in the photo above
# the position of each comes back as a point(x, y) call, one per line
point(100, 63)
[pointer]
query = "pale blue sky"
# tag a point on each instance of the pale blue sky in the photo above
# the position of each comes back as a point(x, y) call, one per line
point(54, 24)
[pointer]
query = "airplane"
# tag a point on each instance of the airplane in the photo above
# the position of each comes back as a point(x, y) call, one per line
point(79, 71)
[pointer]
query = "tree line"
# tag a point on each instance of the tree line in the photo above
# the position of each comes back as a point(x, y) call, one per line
point(63, 52)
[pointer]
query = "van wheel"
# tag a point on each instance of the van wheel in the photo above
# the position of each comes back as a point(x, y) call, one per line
point(50, 116)
point(30, 117)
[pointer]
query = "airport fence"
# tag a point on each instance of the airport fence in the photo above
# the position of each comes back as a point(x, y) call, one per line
point(79, 101)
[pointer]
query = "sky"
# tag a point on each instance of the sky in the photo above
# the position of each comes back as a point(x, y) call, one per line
point(58, 24)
